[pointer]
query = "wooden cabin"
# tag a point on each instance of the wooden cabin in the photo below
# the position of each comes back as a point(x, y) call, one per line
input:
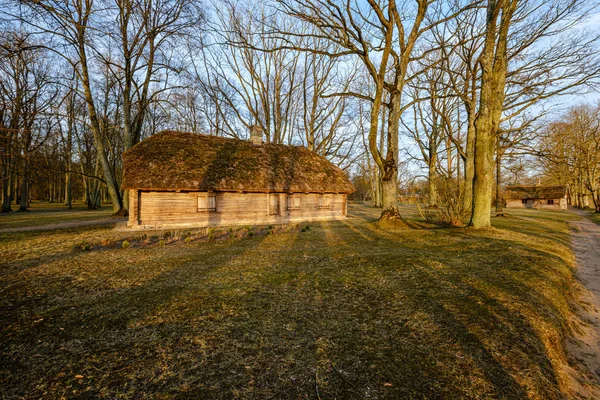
point(187, 179)
point(540, 197)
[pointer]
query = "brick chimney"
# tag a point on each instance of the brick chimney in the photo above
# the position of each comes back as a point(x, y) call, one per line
point(256, 135)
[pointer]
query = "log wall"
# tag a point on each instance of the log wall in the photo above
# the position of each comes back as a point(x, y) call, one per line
point(157, 209)
point(559, 204)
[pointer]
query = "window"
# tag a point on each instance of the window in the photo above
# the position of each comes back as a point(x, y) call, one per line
point(324, 201)
point(293, 202)
point(551, 201)
point(207, 202)
point(524, 201)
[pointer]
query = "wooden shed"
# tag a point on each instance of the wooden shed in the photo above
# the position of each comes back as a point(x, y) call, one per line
point(188, 179)
point(542, 197)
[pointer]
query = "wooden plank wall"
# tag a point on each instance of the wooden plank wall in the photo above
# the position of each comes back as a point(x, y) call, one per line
point(539, 204)
point(133, 208)
point(180, 208)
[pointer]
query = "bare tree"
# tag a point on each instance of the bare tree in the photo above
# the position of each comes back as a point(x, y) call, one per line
point(571, 151)
point(29, 87)
point(382, 35)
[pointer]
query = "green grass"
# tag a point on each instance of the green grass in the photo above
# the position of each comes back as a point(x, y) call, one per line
point(44, 213)
point(595, 217)
point(342, 310)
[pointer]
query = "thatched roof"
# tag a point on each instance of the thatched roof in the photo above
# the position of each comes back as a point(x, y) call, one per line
point(189, 161)
point(535, 192)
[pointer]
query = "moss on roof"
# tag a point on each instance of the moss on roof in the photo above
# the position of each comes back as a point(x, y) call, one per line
point(535, 192)
point(189, 161)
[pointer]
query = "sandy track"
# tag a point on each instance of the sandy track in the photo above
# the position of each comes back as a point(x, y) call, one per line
point(586, 346)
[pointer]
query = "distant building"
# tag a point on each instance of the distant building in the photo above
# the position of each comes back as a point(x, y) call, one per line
point(188, 179)
point(541, 197)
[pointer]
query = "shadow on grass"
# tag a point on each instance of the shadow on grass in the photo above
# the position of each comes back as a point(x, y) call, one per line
point(344, 310)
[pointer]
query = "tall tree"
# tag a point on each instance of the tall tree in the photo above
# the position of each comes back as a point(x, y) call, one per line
point(383, 36)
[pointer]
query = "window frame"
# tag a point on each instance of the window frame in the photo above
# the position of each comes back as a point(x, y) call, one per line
point(208, 198)
point(293, 198)
point(327, 198)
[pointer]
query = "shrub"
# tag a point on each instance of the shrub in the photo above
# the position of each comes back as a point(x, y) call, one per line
point(85, 246)
point(125, 244)
point(161, 242)
point(250, 234)
point(450, 209)
point(188, 239)
point(211, 236)
point(176, 235)
point(106, 242)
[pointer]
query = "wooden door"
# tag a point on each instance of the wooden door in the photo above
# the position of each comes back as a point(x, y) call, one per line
point(273, 203)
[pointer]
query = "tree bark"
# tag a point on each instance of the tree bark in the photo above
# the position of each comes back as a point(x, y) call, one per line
point(24, 187)
point(109, 177)
point(389, 189)
point(6, 194)
point(494, 64)
point(498, 180)
point(433, 195)
point(469, 162)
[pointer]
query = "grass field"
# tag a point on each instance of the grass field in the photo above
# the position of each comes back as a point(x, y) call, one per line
point(595, 217)
point(339, 310)
point(43, 213)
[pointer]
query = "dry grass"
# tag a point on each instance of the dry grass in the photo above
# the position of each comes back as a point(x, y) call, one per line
point(44, 213)
point(341, 310)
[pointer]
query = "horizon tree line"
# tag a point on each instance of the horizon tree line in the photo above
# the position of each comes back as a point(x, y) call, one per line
point(458, 89)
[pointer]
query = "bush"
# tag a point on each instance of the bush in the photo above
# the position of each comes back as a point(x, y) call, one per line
point(175, 236)
point(188, 239)
point(250, 234)
point(161, 242)
point(450, 209)
point(125, 244)
point(85, 246)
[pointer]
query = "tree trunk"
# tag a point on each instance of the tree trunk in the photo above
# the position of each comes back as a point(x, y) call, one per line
point(389, 180)
point(109, 177)
point(7, 189)
point(24, 187)
point(433, 195)
point(498, 180)
point(7, 183)
point(469, 163)
point(494, 65)
point(390, 198)
point(484, 174)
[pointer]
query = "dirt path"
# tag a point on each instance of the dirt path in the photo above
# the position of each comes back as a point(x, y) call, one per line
point(586, 346)
point(64, 225)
